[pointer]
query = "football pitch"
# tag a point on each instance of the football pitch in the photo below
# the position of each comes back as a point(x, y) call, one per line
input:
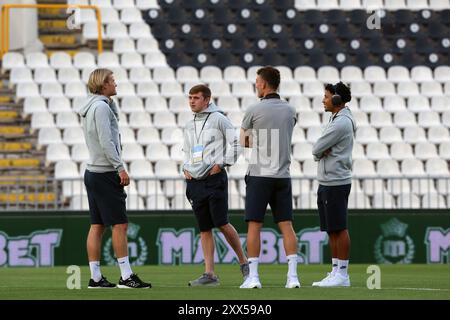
point(170, 283)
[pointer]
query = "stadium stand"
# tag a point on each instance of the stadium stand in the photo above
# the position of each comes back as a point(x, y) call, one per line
point(398, 74)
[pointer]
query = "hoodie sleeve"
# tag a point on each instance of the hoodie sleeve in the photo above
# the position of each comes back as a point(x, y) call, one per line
point(105, 138)
point(232, 145)
point(335, 131)
point(186, 148)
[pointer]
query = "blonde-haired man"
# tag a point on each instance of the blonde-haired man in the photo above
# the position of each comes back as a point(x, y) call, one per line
point(105, 178)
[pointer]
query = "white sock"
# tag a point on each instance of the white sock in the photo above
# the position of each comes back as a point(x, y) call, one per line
point(292, 265)
point(125, 269)
point(253, 265)
point(334, 265)
point(343, 267)
point(96, 274)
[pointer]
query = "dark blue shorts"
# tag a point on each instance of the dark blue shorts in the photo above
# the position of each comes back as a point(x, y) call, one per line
point(106, 198)
point(261, 191)
point(332, 202)
point(209, 200)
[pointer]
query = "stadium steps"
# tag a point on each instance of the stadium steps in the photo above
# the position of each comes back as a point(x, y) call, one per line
point(41, 197)
point(53, 26)
point(22, 163)
point(23, 173)
point(31, 199)
point(60, 41)
point(15, 147)
point(8, 116)
point(53, 31)
point(28, 180)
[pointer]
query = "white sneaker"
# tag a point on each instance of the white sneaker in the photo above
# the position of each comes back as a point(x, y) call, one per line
point(292, 282)
point(328, 277)
point(251, 283)
point(337, 280)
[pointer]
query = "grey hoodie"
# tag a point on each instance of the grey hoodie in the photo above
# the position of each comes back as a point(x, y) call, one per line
point(100, 118)
point(336, 168)
point(217, 136)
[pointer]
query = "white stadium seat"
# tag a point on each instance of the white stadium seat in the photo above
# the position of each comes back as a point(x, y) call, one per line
point(157, 151)
point(42, 120)
point(80, 153)
point(84, 60)
point(351, 73)
point(45, 75)
point(59, 60)
point(34, 104)
point(13, 60)
point(131, 152)
point(72, 136)
point(328, 74)
point(167, 168)
point(398, 74)
point(66, 169)
point(401, 151)
point(140, 119)
point(36, 60)
point(49, 135)
point(374, 74)
point(68, 75)
point(130, 15)
point(21, 75)
point(67, 120)
point(59, 104)
point(234, 74)
point(140, 30)
point(390, 135)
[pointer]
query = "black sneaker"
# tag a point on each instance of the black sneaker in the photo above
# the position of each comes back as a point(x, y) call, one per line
point(101, 284)
point(133, 282)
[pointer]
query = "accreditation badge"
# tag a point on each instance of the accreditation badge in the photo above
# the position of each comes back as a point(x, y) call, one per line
point(197, 153)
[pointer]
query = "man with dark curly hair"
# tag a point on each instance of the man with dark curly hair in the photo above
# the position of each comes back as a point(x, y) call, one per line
point(333, 151)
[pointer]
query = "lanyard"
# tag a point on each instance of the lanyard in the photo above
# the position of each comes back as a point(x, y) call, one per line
point(197, 138)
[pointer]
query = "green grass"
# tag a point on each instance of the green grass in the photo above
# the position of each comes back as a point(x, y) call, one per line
point(170, 282)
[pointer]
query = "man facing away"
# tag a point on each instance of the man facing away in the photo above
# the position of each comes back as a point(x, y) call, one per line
point(267, 128)
point(105, 178)
point(333, 150)
point(206, 141)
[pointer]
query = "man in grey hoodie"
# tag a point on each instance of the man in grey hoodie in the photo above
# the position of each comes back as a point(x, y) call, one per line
point(207, 141)
point(333, 150)
point(105, 178)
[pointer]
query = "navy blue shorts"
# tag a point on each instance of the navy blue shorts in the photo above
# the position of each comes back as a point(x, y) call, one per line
point(261, 191)
point(106, 198)
point(209, 200)
point(332, 202)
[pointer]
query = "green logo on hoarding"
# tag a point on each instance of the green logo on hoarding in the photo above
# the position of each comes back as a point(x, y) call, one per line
point(394, 246)
point(137, 248)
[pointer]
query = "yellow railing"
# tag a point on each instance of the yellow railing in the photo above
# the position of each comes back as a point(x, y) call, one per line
point(4, 21)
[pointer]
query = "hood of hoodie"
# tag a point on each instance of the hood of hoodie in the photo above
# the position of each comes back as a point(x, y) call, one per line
point(345, 112)
point(210, 109)
point(96, 98)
